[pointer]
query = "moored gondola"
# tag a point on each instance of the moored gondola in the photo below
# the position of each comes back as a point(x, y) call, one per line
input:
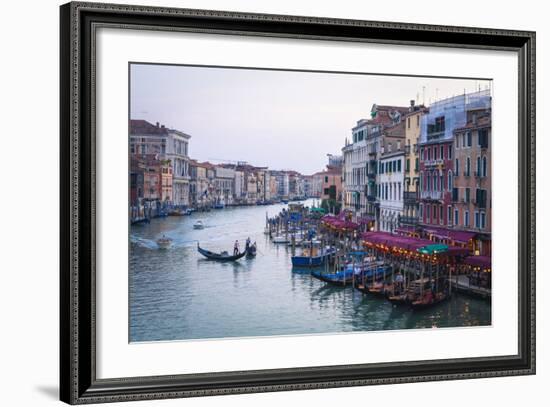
point(223, 256)
point(340, 278)
point(428, 300)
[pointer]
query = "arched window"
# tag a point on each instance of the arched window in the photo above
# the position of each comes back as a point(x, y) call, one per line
point(450, 182)
point(457, 166)
point(478, 166)
point(484, 166)
point(428, 185)
point(468, 166)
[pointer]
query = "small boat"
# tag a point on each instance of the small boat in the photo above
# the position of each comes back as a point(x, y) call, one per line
point(379, 288)
point(179, 212)
point(281, 239)
point(405, 296)
point(164, 242)
point(223, 256)
point(198, 224)
point(312, 257)
point(428, 299)
point(251, 252)
point(341, 278)
point(400, 299)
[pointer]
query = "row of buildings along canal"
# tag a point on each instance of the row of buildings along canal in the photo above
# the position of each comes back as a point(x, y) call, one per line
point(411, 170)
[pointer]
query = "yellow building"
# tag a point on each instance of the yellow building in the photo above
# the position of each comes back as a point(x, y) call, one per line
point(412, 134)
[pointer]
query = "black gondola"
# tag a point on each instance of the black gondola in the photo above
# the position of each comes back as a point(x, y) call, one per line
point(251, 252)
point(224, 256)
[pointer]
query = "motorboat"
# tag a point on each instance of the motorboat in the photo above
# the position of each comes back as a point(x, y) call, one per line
point(164, 242)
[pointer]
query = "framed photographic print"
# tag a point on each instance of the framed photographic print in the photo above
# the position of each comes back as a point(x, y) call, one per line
point(255, 203)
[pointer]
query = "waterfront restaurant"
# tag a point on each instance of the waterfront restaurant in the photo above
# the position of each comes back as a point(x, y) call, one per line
point(472, 274)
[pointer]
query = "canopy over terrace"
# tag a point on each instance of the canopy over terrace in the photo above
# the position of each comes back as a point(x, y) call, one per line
point(407, 246)
point(456, 236)
point(339, 222)
point(481, 262)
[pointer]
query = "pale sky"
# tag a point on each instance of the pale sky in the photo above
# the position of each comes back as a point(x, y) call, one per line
point(279, 119)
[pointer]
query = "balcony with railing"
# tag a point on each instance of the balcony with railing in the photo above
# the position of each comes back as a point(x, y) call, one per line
point(410, 197)
point(375, 132)
point(408, 220)
point(431, 195)
point(433, 163)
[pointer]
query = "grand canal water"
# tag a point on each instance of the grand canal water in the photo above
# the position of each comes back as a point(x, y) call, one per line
point(177, 294)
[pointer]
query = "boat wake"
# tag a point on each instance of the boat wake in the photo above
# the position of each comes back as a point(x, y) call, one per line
point(152, 244)
point(139, 241)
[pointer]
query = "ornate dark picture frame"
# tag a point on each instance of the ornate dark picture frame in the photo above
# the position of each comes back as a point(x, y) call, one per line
point(78, 381)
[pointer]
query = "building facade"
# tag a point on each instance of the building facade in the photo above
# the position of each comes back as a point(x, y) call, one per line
point(177, 151)
point(472, 178)
point(224, 185)
point(437, 159)
point(355, 170)
point(331, 185)
point(201, 187)
point(412, 165)
point(168, 145)
point(390, 189)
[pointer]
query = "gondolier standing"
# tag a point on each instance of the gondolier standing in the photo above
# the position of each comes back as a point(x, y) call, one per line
point(236, 248)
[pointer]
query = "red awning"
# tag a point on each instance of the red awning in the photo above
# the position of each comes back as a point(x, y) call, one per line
point(483, 262)
point(458, 236)
point(365, 220)
point(406, 242)
point(339, 222)
point(405, 230)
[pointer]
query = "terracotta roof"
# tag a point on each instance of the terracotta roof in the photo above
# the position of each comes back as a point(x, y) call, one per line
point(144, 127)
point(400, 109)
point(329, 172)
point(206, 164)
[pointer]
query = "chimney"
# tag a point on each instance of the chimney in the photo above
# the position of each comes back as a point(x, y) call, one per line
point(162, 126)
point(474, 118)
point(158, 124)
point(411, 108)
